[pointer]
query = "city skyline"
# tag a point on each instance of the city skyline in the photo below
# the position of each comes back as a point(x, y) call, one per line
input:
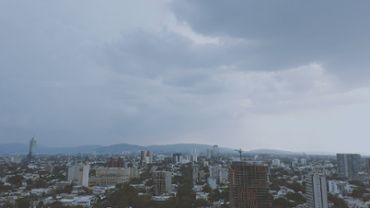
point(202, 148)
point(250, 74)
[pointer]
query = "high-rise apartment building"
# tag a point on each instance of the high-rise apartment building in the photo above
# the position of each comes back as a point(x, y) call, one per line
point(219, 174)
point(196, 175)
point(146, 157)
point(368, 166)
point(316, 191)
point(275, 163)
point(177, 157)
point(213, 152)
point(162, 181)
point(194, 156)
point(79, 174)
point(248, 185)
point(348, 165)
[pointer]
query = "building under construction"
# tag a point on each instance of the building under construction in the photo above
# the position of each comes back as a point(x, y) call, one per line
point(248, 185)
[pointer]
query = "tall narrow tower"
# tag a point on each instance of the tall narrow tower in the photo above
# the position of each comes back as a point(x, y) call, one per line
point(195, 155)
point(31, 148)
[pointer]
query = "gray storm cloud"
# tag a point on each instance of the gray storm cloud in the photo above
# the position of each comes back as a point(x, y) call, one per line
point(292, 32)
point(263, 75)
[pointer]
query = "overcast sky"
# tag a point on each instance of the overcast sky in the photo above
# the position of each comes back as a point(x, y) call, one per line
point(284, 74)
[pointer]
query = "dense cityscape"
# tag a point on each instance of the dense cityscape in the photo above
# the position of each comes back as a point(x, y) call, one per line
point(184, 104)
point(214, 178)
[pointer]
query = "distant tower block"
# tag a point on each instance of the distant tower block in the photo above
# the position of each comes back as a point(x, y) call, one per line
point(31, 148)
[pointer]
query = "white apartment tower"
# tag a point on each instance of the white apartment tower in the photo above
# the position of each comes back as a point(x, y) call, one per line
point(79, 174)
point(146, 157)
point(276, 163)
point(316, 191)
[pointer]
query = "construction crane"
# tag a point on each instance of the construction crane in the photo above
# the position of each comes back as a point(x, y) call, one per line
point(240, 151)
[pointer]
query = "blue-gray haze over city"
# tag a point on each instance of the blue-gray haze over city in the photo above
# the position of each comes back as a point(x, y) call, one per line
point(291, 75)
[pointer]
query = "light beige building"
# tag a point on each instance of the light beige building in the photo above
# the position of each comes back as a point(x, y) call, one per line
point(112, 175)
point(78, 174)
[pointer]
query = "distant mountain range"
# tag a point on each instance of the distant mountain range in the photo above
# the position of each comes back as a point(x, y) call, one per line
point(127, 148)
point(111, 149)
point(271, 151)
